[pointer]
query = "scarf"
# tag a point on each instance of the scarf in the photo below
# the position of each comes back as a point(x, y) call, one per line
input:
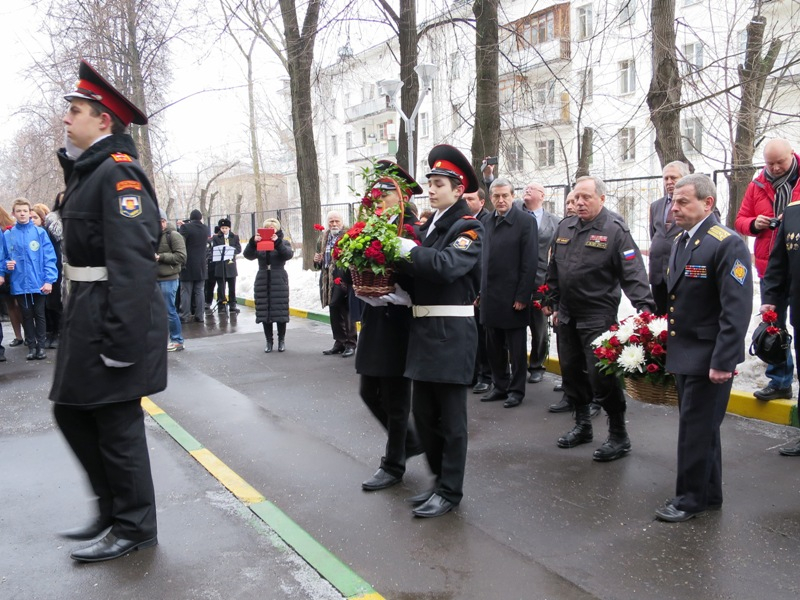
point(783, 187)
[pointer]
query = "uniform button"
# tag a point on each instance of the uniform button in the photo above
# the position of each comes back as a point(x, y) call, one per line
point(672, 321)
point(672, 333)
point(671, 309)
point(672, 297)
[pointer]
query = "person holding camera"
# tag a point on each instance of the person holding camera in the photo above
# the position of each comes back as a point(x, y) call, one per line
point(760, 215)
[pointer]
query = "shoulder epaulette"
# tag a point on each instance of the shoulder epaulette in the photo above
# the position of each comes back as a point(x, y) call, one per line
point(718, 232)
point(121, 157)
point(470, 233)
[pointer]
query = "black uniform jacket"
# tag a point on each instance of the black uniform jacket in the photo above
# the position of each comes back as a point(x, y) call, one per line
point(383, 339)
point(508, 270)
point(111, 219)
point(589, 264)
point(196, 235)
point(229, 265)
point(662, 236)
point(446, 271)
point(271, 287)
point(782, 277)
point(710, 301)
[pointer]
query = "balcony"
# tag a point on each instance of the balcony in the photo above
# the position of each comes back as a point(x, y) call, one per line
point(376, 150)
point(531, 57)
point(549, 114)
point(365, 109)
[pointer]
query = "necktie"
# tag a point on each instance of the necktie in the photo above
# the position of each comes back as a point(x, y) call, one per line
point(669, 219)
point(682, 255)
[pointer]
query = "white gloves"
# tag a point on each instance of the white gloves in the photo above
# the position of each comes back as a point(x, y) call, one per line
point(406, 246)
point(116, 364)
point(399, 297)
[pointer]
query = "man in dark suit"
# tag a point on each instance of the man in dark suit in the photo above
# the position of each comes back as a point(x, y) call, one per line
point(482, 377)
point(510, 252)
point(546, 222)
point(663, 231)
point(195, 271)
point(710, 287)
point(382, 348)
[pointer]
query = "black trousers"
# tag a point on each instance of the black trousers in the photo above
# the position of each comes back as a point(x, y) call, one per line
point(33, 321)
point(389, 400)
point(702, 407)
point(540, 340)
point(660, 296)
point(482, 372)
point(440, 414)
point(231, 281)
point(268, 330)
point(504, 346)
point(343, 329)
point(110, 443)
point(582, 382)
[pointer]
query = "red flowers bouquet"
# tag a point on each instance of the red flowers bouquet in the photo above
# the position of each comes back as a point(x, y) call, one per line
point(371, 246)
point(770, 342)
point(544, 295)
point(636, 348)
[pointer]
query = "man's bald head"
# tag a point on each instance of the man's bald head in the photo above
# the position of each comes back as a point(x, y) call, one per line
point(778, 155)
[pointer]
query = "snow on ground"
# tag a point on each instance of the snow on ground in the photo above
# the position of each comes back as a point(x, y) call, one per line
point(304, 295)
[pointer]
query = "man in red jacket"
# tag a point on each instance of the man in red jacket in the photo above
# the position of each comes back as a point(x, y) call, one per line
point(759, 215)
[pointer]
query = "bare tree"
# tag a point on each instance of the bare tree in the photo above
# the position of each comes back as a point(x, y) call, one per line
point(486, 132)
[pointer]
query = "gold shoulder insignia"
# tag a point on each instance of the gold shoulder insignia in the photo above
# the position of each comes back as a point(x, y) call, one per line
point(121, 157)
point(718, 232)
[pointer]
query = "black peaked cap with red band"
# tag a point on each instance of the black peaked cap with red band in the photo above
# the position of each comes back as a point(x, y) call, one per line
point(399, 172)
point(92, 86)
point(448, 161)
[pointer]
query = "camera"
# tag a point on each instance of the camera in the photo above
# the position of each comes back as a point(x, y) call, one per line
point(774, 223)
point(492, 160)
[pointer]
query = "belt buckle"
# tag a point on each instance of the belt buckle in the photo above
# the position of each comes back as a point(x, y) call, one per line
point(420, 311)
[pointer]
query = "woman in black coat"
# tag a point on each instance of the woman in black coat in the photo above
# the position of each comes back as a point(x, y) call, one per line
point(271, 288)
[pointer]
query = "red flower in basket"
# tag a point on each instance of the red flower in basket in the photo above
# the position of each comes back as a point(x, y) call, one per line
point(319, 227)
point(336, 252)
point(367, 202)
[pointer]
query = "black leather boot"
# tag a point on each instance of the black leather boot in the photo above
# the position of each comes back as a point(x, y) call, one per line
point(281, 345)
point(581, 433)
point(268, 349)
point(618, 443)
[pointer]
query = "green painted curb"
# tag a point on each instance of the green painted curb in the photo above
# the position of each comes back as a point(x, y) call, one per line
point(331, 568)
point(178, 433)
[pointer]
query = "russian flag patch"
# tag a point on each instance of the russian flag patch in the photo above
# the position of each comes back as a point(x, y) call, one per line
point(629, 254)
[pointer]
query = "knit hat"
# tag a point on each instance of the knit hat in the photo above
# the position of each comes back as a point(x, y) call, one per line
point(163, 214)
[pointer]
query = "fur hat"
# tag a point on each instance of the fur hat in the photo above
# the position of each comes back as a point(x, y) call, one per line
point(224, 223)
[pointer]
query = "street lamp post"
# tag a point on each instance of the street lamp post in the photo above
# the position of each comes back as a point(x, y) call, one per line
point(391, 87)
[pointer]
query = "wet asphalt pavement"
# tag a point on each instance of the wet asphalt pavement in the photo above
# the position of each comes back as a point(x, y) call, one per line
point(536, 522)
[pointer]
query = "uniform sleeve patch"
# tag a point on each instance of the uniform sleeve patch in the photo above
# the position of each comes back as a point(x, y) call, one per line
point(739, 271)
point(130, 206)
point(719, 233)
point(121, 157)
point(629, 254)
point(471, 233)
point(128, 184)
point(462, 243)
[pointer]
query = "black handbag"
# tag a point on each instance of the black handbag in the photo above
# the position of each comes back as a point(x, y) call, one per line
point(770, 347)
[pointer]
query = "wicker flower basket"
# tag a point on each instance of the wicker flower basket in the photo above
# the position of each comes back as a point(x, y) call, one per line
point(650, 393)
point(366, 283)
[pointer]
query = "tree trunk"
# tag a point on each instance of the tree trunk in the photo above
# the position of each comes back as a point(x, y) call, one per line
point(409, 93)
point(299, 55)
point(664, 96)
point(486, 132)
point(585, 152)
point(141, 134)
point(752, 76)
point(254, 152)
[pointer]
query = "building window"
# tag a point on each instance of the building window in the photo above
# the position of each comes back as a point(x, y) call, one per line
point(587, 85)
point(627, 143)
point(351, 181)
point(336, 184)
point(424, 125)
point(693, 55)
point(544, 93)
point(627, 12)
point(382, 131)
point(625, 207)
point(584, 18)
point(627, 76)
point(363, 136)
point(348, 139)
point(514, 157)
point(692, 135)
point(334, 146)
point(546, 150)
point(536, 29)
point(455, 117)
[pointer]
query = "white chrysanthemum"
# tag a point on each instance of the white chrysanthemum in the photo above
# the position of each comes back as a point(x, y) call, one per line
point(598, 341)
point(657, 326)
point(626, 330)
point(631, 359)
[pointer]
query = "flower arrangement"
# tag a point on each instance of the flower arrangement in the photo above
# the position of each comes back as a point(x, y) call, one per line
point(372, 243)
point(545, 297)
point(636, 348)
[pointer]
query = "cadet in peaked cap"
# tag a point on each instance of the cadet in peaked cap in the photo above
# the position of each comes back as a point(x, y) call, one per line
point(92, 86)
point(397, 172)
point(450, 162)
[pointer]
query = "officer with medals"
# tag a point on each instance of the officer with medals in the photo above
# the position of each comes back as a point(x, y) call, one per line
point(383, 344)
point(593, 256)
point(443, 340)
point(710, 295)
point(112, 351)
